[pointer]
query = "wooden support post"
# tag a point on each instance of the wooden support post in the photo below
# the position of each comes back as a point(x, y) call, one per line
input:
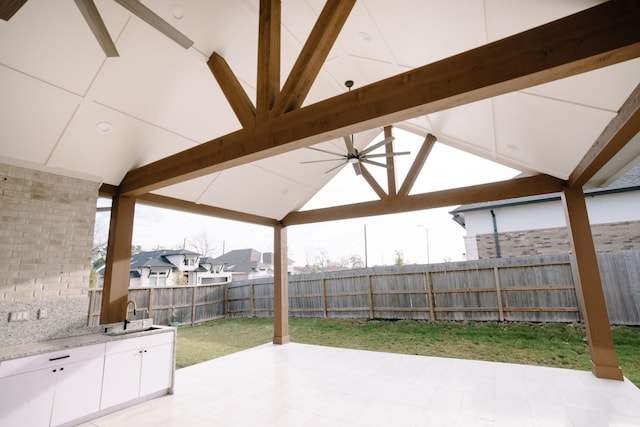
point(116, 273)
point(604, 362)
point(253, 300)
point(499, 294)
point(280, 286)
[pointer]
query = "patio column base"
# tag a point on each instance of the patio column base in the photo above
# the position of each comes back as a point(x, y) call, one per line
point(607, 372)
point(281, 340)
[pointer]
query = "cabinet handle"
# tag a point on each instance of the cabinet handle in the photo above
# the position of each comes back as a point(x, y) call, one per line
point(61, 369)
point(55, 370)
point(58, 358)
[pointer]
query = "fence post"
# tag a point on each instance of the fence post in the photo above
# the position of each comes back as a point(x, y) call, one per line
point(226, 300)
point(253, 299)
point(497, 279)
point(429, 287)
point(323, 284)
point(193, 304)
point(370, 296)
point(150, 307)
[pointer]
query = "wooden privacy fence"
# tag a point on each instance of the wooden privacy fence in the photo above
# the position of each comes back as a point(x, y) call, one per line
point(186, 305)
point(512, 289)
point(537, 289)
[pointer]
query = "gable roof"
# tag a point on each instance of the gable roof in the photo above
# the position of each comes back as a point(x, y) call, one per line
point(90, 110)
point(157, 258)
point(240, 260)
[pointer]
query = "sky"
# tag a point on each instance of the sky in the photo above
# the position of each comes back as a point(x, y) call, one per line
point(428, 235)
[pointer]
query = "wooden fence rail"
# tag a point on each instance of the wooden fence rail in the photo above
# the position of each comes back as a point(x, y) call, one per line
point(512, 289)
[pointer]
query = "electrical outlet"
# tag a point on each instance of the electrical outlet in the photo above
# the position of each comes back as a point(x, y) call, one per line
point(17, 316)
point(42, 313)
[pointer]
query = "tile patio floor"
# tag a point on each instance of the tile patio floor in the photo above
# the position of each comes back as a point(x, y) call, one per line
point(306, 385)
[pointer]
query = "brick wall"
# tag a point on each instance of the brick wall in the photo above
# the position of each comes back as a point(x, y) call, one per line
point(46, 238)
point(617, 236)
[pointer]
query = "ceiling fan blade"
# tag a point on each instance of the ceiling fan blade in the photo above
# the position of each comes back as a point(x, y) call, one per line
point(348, 141)
point(322, 161)
point(357, 168)
point(325, 151)
point(148, 16)
point(8, 8)
point(399, 153)
point(94, 20)
point(371, 162)
point(377, 145)
point(340, 165)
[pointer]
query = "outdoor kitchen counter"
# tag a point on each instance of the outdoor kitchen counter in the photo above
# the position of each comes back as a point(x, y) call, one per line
point(92, 335)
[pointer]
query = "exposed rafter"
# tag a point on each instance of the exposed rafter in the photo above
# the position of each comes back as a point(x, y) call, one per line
point(313, 55)
point(233, 91)
point(8, 8)
point(268, 84)
point(391, 166)
point(624, 126)
point(372, 182)
point(594, 38)
point(184, 206)
point(417, 165)
point(520, 187)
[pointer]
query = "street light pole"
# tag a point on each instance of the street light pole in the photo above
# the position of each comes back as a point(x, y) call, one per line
point(427, 230)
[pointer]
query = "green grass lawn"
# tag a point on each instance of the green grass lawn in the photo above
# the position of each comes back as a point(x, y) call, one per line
point(546, 344)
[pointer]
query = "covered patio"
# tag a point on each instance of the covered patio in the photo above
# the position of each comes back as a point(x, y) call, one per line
point(304, 386)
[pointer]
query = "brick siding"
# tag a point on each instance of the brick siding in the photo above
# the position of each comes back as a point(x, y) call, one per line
point(46, 234)
point(611, 237)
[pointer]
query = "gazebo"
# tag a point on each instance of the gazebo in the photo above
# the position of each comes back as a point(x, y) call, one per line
point(175, 104)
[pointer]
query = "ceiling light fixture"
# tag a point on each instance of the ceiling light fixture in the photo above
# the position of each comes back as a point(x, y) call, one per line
point(104, 128)
point(177, 11)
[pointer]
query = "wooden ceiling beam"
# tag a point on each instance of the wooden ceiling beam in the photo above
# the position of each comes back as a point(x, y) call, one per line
point(417, 165)
point(268, 84)
point(519, 187)
point(620, 130)
point(190, 207)
point(313, 55)
point(391, 164)
point(234, 92)
point(372, 182)
point(8, 8)
point(594, 38)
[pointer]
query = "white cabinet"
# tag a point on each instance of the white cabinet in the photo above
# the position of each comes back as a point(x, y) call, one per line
point(51, 388)
point(137, 367)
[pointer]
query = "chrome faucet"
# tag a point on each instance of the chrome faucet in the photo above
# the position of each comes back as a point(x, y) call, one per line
point(126, 313)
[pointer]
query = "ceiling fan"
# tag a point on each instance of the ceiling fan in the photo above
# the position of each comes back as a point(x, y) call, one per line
point(94, 20)
point(355, 157)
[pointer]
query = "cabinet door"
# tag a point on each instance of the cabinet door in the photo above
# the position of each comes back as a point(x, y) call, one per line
point(157, 368)
point(26, 399)
point(121, 381)
point(78, 388)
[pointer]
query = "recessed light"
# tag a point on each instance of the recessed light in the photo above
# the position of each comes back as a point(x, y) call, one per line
point(177, 11)
point(104, 128)
point(365, 36)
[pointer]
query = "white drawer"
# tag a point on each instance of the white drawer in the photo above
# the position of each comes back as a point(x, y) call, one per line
point(127, 344)
point(54, 358)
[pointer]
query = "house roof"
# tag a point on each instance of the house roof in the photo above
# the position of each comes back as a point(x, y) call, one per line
point(70, 110)
point(630, 181)
point(240, 260)
point(157, 258)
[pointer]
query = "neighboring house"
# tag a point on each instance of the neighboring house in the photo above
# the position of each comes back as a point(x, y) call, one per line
point(247, 263)
point(536, 225)
point(173, 267)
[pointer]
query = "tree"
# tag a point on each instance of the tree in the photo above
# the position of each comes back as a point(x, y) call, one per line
point(356, 261)
point(399, 257)
point(202, 244)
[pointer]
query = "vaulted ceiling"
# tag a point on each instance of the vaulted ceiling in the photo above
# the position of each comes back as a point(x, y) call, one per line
point(68, 108)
